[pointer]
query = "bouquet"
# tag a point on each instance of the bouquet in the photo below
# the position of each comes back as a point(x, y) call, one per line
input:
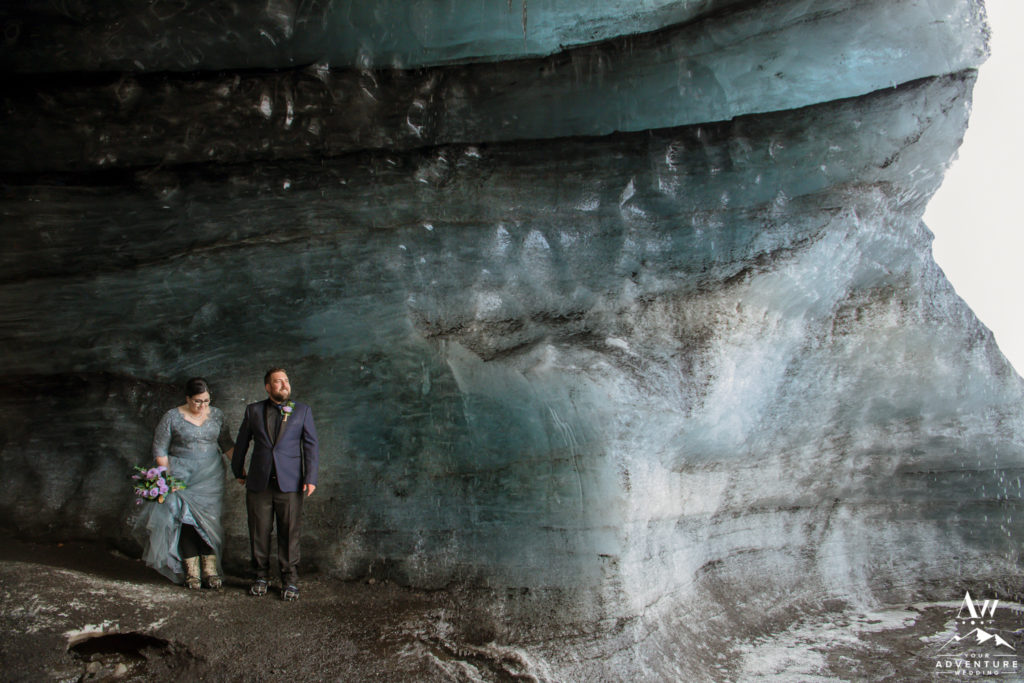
point(154, 484)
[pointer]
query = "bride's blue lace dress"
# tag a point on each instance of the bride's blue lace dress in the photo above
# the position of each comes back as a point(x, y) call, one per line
point(194, 457)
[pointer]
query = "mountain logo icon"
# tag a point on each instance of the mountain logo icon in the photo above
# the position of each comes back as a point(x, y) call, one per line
point(980, 637)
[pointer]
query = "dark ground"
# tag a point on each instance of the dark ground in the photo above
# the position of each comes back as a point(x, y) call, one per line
point(55, 596)
point(75, 612)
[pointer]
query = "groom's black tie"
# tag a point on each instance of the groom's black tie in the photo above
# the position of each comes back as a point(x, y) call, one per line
point(273, 415)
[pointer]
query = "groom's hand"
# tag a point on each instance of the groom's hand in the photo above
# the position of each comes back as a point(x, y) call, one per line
point(309, 488)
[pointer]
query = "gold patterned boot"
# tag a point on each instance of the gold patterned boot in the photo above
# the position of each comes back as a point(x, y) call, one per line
point(192, 573)
point(210, 576)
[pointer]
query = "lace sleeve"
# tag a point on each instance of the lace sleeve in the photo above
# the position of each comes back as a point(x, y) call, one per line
point(224, 439)
point(162, 437)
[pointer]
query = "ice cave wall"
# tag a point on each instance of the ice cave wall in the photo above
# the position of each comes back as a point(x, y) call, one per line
point(647, 327)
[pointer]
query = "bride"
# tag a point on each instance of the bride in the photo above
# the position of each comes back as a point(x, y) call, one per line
point(182, 537)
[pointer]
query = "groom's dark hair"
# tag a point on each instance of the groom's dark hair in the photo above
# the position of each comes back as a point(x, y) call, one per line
point(271, 371)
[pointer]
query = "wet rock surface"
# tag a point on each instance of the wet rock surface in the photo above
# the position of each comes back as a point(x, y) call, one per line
point(77, 612)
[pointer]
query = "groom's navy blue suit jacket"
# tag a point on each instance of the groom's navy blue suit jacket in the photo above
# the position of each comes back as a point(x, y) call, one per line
point(296, 455)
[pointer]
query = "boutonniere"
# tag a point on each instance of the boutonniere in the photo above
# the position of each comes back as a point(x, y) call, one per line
point(286, 410)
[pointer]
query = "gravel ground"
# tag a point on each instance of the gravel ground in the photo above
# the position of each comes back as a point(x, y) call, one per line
point(73, 612)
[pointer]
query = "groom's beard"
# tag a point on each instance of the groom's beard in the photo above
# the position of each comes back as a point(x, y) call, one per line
point(280, 396)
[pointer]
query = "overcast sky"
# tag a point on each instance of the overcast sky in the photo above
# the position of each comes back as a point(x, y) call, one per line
point(979, 241)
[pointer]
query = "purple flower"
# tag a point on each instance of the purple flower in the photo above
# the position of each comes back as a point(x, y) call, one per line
point(161, 468)
point(163, 488)
point(136, 477)
point(286, 410)
point(153, 493)
point(161, 482)
point(152, 474)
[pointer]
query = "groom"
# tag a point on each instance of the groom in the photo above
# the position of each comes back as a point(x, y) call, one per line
point(283, 467)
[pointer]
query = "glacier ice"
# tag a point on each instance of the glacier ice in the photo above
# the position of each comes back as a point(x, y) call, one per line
point(696, 72)
point(630, 344)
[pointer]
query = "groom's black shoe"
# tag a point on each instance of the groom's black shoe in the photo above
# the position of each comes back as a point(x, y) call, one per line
point(258, 587)
point(290, 593)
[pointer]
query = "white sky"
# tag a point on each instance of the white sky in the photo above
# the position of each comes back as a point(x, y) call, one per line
point(979, 241)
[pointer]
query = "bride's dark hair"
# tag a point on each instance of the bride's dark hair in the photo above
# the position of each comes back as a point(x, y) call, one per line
point(196, 385)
